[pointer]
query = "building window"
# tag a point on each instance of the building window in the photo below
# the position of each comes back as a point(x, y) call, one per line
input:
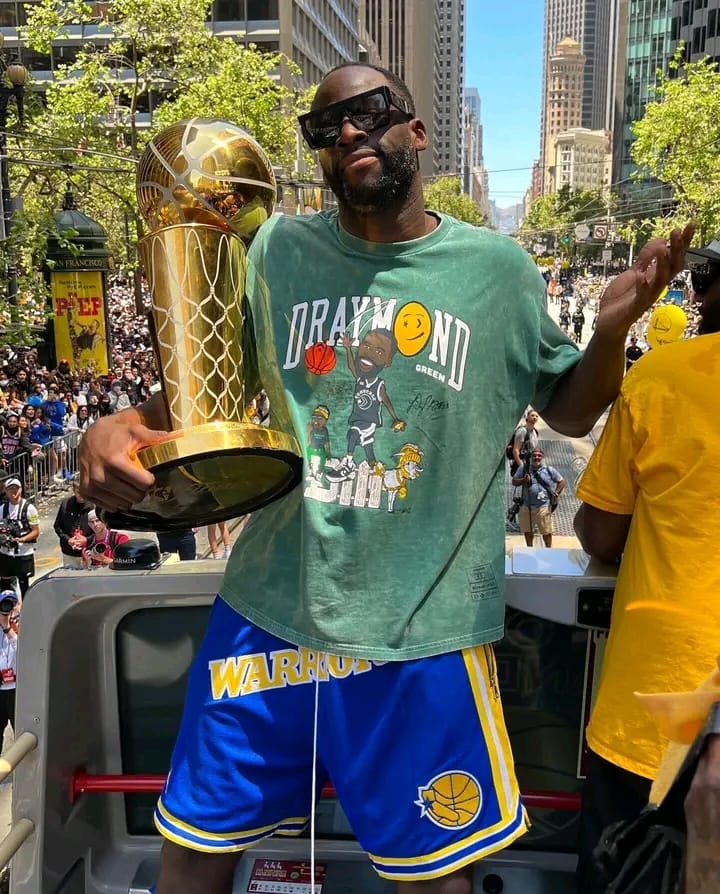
point(260, 10)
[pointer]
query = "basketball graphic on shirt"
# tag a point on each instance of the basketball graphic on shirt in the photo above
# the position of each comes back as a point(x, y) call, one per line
point(320, 358)
point(451, 800)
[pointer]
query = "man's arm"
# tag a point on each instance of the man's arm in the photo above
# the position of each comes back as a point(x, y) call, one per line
point(57, 526)
point(31, 536)
point(520, 477)
point(560, 486)
point(602, 534)
point(583, 394)
point(702, 814)
point(110, 476)
point(518, 444)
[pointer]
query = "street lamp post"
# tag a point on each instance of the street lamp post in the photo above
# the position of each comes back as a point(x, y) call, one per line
point(12, 84)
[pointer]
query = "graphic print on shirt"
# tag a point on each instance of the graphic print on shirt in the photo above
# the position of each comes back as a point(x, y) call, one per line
point(370, 466)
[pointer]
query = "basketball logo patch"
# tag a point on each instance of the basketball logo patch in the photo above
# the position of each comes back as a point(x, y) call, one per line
point(451, 800)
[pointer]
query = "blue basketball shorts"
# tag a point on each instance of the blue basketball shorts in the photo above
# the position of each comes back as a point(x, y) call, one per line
point(417, 751)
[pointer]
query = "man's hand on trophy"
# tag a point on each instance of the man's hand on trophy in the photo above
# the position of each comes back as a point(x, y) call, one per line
point(110, 476)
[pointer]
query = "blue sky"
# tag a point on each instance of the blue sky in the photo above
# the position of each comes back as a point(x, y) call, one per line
point(504, 61)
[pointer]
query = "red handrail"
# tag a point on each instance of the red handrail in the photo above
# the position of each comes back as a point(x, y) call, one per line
point(125, 783)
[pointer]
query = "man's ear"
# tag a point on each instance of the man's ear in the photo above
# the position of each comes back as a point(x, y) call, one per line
point(420, 137)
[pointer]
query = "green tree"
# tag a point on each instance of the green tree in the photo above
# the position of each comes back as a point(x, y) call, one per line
point(156, 53)
point(677, 140)
point(445, 195)
point(554, 217)
point(544, 217)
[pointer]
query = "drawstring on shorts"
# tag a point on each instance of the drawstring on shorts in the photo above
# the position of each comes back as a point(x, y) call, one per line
point(313, 799)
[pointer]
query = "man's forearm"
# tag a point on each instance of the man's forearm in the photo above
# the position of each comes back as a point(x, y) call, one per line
point(153, 414)
point(587, 390)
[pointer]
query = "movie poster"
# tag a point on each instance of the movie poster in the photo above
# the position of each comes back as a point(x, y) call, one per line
point(79, 323)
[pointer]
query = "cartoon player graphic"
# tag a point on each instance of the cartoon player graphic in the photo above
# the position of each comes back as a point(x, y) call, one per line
point(408, 468)
point(375, 352)
point(318, 442)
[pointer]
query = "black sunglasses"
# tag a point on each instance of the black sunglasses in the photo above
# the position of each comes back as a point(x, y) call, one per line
point(367, 111)
point(702, 277)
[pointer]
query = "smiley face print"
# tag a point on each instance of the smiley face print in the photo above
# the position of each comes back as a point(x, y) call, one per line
point(412, 328)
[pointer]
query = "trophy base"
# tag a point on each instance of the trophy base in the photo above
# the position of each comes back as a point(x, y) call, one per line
point(211, 473)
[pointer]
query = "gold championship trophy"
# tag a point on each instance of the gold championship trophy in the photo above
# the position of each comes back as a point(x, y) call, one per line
point(204, 187)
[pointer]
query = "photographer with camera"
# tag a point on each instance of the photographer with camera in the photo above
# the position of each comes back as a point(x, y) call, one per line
point(19, 531)
point(542, 486)
point(9, 611)
point(523, 442)
point(101, 545)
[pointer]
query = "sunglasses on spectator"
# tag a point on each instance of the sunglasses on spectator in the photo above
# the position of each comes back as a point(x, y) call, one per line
point(702, 278)
point(366, 111)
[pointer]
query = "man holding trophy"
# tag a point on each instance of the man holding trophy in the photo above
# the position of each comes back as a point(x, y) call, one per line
point(354, 604)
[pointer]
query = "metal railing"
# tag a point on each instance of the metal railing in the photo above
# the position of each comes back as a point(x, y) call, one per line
point(22, 828)
point(128, 783)
point(49, 469)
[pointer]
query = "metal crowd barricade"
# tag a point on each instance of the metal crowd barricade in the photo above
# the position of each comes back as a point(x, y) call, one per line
point(51, 468)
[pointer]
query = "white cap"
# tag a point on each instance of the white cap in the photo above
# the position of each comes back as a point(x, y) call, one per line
point(12, 482)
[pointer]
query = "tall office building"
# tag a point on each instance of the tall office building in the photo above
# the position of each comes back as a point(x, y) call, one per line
point(644, 47)
point(423, 42)
point(590, 23)
point(698, 26)
point(448, 88)
point(316, 42)
point(563, 102)
point(475, 181)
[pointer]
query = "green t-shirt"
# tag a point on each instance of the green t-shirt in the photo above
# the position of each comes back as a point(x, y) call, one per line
point(393, 545)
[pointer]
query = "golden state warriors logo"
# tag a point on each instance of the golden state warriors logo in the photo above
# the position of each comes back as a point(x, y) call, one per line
point(451, 800)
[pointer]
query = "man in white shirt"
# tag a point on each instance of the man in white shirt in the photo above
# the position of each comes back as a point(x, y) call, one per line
point(19, 531)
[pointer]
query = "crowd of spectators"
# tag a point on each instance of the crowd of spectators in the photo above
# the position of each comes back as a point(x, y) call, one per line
point(44, 411)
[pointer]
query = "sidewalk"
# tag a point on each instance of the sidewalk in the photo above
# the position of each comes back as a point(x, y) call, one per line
point(47, 552)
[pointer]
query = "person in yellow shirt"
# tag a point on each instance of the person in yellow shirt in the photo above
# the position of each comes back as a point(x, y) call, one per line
point(647, 495)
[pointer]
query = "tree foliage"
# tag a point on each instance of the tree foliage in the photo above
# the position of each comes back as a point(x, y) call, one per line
point(554, 217)
point(446, 195)
point(135, 53)
point(677, 142)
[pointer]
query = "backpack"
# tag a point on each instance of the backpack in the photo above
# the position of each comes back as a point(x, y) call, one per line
point(511, 443)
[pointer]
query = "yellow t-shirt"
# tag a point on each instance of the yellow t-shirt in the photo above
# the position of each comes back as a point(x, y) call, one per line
point(659, 461)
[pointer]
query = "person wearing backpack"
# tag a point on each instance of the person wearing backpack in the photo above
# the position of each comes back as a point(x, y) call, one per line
point(523, 441)
point(19, 531)
point(541, 489)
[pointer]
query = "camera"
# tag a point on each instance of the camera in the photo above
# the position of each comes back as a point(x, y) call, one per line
point(512, 512)
point(7, 606)
point(10, 530)
point(100, 549)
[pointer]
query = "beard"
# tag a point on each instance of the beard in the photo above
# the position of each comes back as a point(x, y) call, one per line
point(388, 190)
